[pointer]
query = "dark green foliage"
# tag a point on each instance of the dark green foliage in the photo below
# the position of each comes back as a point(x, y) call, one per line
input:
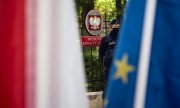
point(120, 8)
point(93, 69)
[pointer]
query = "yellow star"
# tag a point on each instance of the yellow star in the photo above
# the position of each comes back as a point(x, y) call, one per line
point(123, 68)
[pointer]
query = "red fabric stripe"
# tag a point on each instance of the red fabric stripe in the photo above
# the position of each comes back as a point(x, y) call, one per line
point(12, 62)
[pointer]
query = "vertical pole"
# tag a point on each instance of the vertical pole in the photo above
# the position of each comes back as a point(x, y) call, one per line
point(100, 72)
point(105, 24)
point(92, 68)
point(91, 61)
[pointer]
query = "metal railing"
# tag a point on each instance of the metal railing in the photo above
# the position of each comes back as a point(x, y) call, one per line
point(94, 68)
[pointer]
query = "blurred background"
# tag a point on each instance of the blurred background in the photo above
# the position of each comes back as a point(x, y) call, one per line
point(109, 9)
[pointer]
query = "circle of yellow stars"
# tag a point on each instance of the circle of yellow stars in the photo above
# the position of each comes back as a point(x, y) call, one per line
point(123, 68)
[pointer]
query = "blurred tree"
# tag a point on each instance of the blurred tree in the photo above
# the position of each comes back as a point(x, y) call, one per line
point(120, 8)
point(83, 7)
point(112, 8)
point(107, 8)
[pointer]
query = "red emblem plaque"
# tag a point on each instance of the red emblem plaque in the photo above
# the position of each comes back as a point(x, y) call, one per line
point(94, 22)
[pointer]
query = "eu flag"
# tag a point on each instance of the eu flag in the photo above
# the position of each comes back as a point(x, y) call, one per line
point(163, 74)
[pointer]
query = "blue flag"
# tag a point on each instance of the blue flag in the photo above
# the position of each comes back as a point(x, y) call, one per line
point(163, 81)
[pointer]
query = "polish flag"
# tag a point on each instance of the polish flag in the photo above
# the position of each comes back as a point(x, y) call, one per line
point(41, 62)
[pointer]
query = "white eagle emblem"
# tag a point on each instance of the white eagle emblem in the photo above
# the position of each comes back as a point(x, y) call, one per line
point(94, 22)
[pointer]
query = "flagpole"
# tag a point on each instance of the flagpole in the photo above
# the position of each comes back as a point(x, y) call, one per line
point(143, 67)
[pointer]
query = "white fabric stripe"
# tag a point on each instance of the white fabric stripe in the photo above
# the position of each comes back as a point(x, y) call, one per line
point(30, 27)
point(43, 53)
point(143, 67)
point(54, 89)
point(71, 77)
point(60, 73)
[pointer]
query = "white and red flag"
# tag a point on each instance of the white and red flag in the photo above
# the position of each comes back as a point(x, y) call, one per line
point(41, 62)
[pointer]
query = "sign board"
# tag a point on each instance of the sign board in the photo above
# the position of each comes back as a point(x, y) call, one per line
point(87, 41)
point(94, 22)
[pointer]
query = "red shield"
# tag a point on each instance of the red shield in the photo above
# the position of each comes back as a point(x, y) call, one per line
point(94, 22)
